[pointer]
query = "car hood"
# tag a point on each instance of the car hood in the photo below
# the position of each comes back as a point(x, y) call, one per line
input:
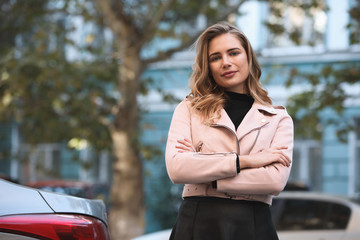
point(18, 199)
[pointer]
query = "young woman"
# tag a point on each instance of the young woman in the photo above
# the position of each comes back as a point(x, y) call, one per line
point(230, 147)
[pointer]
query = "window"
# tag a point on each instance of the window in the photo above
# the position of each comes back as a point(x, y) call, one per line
point(356, 160)
point(338, 217)
point(304, 214)
point(40, 162)
point(296, 23)
point(307, 164)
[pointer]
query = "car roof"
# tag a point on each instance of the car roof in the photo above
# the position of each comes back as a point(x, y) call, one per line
point(318, 196)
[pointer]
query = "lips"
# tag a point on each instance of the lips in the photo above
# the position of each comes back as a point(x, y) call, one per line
point(228, 74)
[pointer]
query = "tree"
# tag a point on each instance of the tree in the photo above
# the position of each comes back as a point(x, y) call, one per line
point(42, 88)
point(135, 24)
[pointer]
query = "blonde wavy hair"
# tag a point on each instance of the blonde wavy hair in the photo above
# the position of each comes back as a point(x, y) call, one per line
point(206, 96)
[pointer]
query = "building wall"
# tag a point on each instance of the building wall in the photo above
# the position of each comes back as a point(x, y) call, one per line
point(325, 165)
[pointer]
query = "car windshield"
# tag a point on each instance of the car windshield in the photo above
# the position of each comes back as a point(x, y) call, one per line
point(307, 214)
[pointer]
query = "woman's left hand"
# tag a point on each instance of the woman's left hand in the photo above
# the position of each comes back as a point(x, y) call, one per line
point(185, 146)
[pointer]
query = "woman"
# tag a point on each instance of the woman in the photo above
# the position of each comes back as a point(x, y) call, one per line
point(230, 147)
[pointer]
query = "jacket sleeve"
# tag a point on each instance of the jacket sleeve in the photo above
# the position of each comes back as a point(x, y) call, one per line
point(269, 179)
point(193, 167)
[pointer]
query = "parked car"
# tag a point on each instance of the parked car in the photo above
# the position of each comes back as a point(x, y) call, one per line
point(8, 178)
point(75, 188)
point(310, 216)
point(297, 186)
point(159, 235)
point(28, 214)
point(306, 215)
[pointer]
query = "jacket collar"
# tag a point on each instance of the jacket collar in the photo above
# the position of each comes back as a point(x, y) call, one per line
point(257, 117)
point(268, 109)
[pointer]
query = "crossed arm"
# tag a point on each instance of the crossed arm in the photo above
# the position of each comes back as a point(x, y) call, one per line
point(262, 172)
point(254, 160)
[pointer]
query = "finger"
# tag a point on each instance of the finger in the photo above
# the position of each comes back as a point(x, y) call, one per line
point(286, 160)
point(182, 147)
point(187, 143)
point(283, 162)
point(281, 148)
point(187, 140)
point(185, 147)
point(286, 157)
point(184, 142)
point(181, 141)
point(276, 152)
point(280, 158)
point(283, 155)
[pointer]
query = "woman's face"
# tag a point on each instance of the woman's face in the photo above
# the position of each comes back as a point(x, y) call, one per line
point(228, 62)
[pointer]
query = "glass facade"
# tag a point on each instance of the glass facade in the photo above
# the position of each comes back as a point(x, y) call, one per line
point(294, 25)
point(357, 156)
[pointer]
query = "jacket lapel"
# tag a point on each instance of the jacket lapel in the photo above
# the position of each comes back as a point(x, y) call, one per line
point(255, 119)
point(225, 120)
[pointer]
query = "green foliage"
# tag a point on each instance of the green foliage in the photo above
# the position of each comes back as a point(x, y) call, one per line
point(354, 24)
point(18, 17)
point(278, 24)
point(51, 97)
point(326, 86)
point(327, 91)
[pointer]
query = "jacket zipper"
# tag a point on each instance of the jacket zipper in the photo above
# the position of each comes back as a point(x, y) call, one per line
point(226, 127)
point(214, 154)
point(237, 139)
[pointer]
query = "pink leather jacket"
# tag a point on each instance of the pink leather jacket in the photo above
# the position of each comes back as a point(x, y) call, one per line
point(262, 128)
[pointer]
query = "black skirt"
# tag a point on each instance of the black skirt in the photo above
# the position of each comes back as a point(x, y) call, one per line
point(211, 218)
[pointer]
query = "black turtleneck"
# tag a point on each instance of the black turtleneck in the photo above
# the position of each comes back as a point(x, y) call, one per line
point(237, 106)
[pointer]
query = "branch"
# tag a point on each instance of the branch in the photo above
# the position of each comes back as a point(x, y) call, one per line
point(118, 21)
point(232, 9)
point(128, 22)
point(115, 24)
point(149, 14)
point(166, 54)
point(151, 28)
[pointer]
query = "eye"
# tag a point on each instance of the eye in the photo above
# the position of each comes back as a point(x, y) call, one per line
point(234, 53)
point(214, 58)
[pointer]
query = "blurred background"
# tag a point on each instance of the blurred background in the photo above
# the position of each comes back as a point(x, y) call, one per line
point(87, 91)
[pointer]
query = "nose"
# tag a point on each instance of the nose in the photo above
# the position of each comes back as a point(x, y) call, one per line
point(226, 61)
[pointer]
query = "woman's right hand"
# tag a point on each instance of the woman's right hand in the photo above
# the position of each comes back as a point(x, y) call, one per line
point(264, 158)
point(184, 145)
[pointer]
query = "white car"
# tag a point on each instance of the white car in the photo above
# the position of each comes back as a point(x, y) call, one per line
point(160, 235)
point(306, 215)
point(310, 216)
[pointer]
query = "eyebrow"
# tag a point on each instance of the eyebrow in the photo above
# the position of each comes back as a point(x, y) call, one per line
point(229, 50)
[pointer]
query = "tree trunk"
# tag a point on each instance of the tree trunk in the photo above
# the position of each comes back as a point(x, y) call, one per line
point(127, 212)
